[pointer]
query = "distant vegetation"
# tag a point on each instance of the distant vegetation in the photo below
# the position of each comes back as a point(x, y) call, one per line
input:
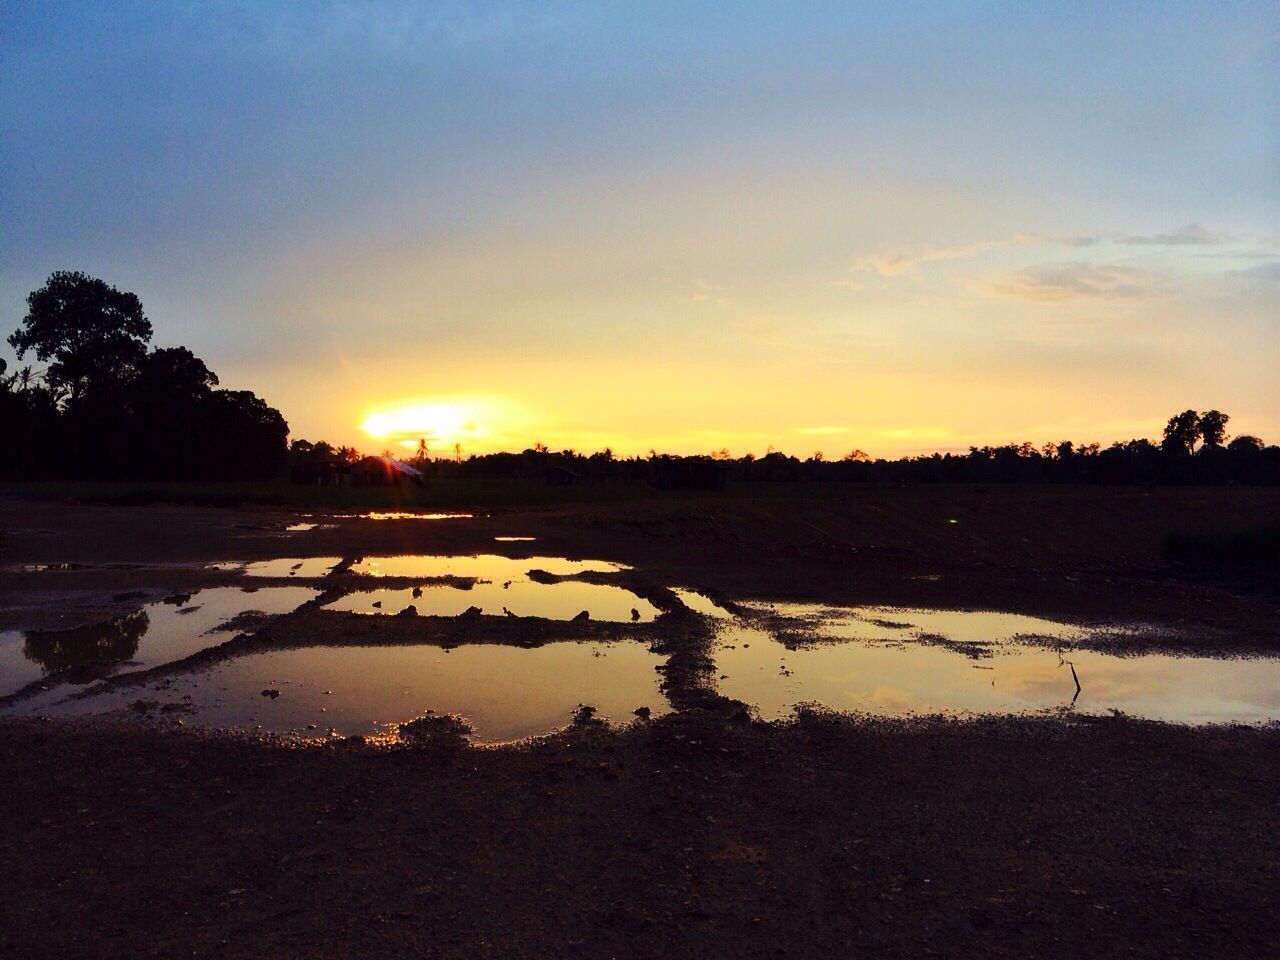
point(1194, 449)
point(107, 406)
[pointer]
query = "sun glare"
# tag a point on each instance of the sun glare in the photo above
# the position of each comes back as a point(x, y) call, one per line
point(476, 423)
point(434, 421)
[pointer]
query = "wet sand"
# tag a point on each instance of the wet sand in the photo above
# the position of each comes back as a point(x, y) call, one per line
point(700, 833)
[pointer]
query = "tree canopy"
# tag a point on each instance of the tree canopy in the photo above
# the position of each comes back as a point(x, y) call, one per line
point(93, 336)
point(107, 408)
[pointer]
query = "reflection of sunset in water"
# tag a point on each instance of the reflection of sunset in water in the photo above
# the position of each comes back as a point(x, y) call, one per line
point(897, 678)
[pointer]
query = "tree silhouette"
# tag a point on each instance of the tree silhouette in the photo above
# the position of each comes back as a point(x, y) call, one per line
point(104, 408)
point(1245, 443)
point(94, 645)
point(94, 335)
point(1181, 432)
point(176, 372)
point(1213, 428)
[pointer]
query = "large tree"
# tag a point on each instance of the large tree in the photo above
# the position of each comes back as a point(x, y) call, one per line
point(93, 336)
point(1213, 428)
point(1182, 432)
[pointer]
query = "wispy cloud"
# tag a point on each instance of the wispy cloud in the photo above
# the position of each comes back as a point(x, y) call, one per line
point(1059, 282)
point(907, 261)
point(1261, 275)
point(1080, 240)
point(1192, 235)
point(896, 262)
point(826, 430)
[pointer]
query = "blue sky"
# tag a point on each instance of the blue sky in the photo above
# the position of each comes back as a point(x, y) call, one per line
point(898, 227)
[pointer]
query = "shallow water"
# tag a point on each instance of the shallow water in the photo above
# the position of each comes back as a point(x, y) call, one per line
point(484, 566)
point(905, 678)
point(407, 515)
point(157, 633)
point(514, 539)
point(880, 660)
point(507, 693)
point(979, 628)
point(519, 598)
point(700, 603)
point(300, 567)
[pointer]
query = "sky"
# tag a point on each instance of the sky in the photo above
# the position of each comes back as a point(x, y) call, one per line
point(684, 226)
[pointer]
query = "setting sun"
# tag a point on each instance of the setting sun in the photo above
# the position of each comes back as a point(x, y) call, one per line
point(476, 423)
point(441, 422)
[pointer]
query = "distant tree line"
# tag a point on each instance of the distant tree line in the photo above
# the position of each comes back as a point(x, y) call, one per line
point(105, 406)
point(1194, 449)
point(108, 406)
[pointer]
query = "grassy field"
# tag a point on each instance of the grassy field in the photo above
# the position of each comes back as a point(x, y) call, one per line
point(1216, 510)
point(438, 495)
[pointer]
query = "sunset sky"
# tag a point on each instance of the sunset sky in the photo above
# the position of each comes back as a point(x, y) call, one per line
point(899, 227)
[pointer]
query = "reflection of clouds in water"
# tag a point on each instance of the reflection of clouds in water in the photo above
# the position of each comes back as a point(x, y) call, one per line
point(482, 566)
point(893, 700)
point(521, 598)
point(897, 678)
point(1045, 679)
point(505, 692)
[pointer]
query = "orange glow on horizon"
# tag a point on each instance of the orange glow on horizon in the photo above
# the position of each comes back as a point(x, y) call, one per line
point(476, 423)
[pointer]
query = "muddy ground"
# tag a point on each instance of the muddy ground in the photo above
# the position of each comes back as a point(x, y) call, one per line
point(700, 834)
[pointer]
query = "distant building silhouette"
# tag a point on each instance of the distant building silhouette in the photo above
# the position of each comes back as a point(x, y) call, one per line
point(384, 472)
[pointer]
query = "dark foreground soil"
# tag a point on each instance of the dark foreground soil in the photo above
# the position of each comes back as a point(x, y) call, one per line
point(702, 834)
point(694, 836)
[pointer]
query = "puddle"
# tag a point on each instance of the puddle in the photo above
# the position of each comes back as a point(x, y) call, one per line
point(485, 566)
point(40, 567)
point(519, 598)
point(506, 693)
point(406, 515)
point(300, 527)
point(976, 632)
point(905, 678)
point(158, 633)
point(304, 567)
point(515, 539)
point(700, 603)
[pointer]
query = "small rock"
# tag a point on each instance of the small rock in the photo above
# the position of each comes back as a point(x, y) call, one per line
point(642, 712)
point(271, 692)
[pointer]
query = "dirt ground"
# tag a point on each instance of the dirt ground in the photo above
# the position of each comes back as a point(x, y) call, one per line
point(702, 834)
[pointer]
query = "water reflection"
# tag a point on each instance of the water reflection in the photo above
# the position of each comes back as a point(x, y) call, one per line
point(700, 603)
point(407, 515)
point(506, 693)
point(301, 567)
point(160, 632)
point(88, 646)
point(975, 630)
point(517, 598)
point(898, 679)
point(485, 566)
